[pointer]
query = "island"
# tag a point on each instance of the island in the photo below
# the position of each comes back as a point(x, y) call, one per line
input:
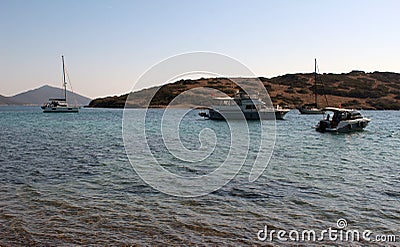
point(356, 89)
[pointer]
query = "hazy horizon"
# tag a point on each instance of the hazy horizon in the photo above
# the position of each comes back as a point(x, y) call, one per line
point(108, 45)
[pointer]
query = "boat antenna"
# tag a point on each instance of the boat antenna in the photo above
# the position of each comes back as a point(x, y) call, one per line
point(65, 83)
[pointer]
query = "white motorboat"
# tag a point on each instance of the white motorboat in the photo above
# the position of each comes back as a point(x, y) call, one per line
point(242, 105)
point(342, 121)
point(57, 104)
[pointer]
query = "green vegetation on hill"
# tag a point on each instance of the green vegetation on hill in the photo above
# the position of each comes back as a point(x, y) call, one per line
point(357, 89)
point(109, 102)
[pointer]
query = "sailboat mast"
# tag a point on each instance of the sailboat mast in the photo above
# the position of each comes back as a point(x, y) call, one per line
point(315, 81)
point(65, 83)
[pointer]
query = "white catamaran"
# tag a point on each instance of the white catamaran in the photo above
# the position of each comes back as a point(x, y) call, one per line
point(60, 105)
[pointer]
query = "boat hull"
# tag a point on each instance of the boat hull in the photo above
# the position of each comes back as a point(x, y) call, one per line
point(307, 111)
point(280, 114)
point(60, 109)
point(238, 115)
point(342, 127)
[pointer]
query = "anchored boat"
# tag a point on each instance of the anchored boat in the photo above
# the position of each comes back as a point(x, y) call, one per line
point(60, 104)
point(312, 108)
point(342, 121)
point(242, 105)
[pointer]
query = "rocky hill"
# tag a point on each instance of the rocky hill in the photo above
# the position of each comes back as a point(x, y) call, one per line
point(357, 89)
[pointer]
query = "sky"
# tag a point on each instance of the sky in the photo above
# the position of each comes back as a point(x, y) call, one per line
point(109, 44)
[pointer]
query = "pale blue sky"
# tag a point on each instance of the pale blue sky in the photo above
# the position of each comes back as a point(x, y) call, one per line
point(109, 44)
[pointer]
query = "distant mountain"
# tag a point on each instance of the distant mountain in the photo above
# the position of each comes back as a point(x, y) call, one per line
point(357, 89)
point(40, 95)
point(6, 101)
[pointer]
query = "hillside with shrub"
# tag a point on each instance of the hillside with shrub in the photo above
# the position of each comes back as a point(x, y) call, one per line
point(357, 89)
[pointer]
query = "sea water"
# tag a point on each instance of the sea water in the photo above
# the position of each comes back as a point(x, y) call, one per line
point(65, 179)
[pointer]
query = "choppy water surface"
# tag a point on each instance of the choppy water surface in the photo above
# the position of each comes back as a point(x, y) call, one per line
point(65, 180)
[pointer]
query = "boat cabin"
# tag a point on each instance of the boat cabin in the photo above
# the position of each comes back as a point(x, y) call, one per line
point(340, 114)
point(244, 102)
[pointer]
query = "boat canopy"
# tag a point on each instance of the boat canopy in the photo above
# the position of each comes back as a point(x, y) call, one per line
point(345, 114)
